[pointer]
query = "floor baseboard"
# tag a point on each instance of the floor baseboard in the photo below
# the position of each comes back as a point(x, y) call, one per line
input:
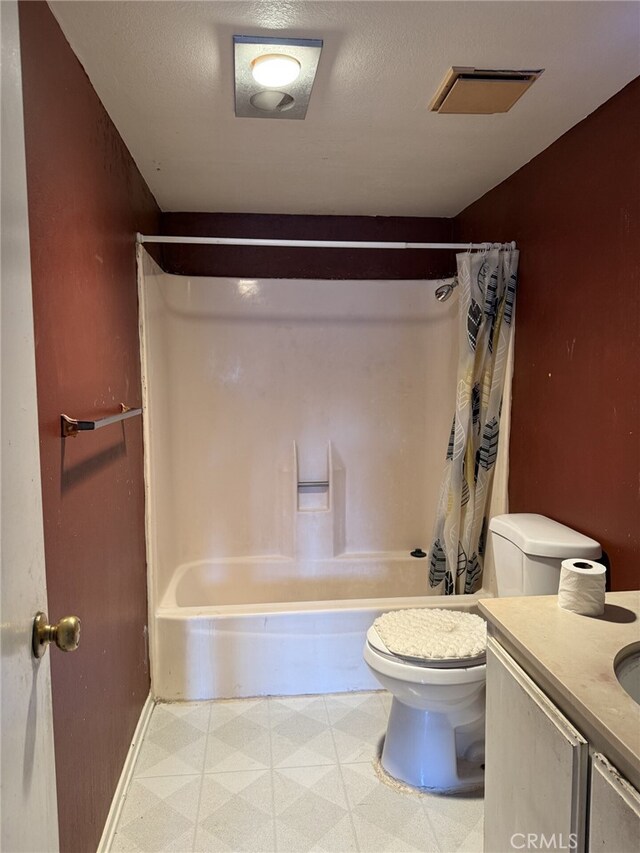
point(125, 777)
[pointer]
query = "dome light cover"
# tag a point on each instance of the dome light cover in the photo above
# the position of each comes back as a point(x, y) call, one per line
point(275, 69)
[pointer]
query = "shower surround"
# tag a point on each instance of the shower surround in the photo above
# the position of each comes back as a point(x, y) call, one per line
point(295, 438)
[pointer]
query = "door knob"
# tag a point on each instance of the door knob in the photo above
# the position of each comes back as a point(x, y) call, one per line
point(66, 634)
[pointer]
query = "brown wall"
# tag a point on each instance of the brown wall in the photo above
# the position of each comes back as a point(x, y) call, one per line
point(86, 201)
point(575, 452)
point(575, 442)
point(307, 263)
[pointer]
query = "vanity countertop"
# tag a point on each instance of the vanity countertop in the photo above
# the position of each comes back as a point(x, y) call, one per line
point(572, 658)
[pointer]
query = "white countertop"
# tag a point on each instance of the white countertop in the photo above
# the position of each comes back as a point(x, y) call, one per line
point(572, 658)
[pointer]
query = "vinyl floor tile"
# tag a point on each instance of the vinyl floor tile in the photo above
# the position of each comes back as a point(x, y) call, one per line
point(281, 775)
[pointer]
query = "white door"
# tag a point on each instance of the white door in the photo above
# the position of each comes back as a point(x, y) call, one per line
point(28, 792)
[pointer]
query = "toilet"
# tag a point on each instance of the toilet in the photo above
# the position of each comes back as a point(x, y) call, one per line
point(435, 733)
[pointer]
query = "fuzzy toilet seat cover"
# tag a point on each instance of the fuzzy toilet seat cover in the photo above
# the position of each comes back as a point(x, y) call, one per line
point(432, 633)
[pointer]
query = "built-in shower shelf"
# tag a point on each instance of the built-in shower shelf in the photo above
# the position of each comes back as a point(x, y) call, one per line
point(312, 510)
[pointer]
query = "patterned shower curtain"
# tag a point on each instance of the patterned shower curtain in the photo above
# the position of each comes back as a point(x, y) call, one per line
point(487, 291)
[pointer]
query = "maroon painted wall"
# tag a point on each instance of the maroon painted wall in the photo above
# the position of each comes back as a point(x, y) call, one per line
point(575, 436)
point(86, 201)
point(575, 452)
point(307, 263)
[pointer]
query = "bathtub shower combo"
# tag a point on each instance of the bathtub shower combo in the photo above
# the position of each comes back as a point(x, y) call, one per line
point(295, 433)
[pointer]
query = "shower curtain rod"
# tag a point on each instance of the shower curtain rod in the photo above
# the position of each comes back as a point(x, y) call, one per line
point(318, 244)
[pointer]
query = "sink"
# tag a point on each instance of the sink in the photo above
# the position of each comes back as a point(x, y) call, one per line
point(627, 668)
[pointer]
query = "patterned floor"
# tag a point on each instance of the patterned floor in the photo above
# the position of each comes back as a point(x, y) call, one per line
point(288, 774)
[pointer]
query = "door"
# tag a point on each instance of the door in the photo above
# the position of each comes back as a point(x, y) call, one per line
point(27, 781)
point(536, 765)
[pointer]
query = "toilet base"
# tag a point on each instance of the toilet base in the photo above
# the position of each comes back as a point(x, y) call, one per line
point(424, 749)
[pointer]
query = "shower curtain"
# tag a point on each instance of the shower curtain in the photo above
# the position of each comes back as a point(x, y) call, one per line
point(487, 292)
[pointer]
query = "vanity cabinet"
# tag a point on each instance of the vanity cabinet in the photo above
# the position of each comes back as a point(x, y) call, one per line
point(614, 810)
point(545, 789)
point(536, 765)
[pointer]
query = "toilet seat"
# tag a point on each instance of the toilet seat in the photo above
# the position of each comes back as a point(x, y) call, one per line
point(420, 672)
point(432, 638)
point(378, 646)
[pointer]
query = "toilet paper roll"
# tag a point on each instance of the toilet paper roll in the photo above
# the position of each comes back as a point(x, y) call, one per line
point(581, 587)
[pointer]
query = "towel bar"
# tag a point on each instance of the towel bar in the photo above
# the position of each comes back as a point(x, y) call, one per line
point(72, 426)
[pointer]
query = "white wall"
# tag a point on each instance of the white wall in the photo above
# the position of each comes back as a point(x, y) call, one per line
point(238, 370)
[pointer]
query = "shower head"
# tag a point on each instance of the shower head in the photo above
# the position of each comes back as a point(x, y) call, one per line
point(443, 292)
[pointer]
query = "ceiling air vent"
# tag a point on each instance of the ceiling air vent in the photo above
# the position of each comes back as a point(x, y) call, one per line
point(476, 91)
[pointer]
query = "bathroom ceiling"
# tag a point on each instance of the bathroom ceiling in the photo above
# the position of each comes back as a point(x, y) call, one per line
point(369, 145)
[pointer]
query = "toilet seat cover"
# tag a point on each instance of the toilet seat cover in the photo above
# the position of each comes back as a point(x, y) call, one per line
point(431, 635)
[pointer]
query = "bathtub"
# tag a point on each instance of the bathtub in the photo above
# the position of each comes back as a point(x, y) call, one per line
point(274, 626)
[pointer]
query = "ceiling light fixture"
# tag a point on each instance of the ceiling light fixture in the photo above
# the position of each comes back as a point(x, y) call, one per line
point(274, 76)
point(275, 69)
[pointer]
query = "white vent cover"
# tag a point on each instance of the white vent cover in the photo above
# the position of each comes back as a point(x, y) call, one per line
point(475, 91)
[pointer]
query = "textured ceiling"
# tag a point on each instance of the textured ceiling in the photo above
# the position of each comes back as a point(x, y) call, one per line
point(164, 71)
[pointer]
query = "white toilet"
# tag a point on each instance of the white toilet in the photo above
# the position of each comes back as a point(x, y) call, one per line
point(435, 734)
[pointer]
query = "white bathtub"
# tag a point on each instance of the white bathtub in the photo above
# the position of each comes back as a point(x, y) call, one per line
point(299, 629)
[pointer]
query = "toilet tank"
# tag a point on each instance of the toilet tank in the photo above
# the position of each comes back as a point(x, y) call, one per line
point(528, 550)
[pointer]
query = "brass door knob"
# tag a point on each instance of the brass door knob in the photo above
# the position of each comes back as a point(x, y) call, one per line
point(66, 634)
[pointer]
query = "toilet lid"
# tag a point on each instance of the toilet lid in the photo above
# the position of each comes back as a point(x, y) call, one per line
point(431, 637)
